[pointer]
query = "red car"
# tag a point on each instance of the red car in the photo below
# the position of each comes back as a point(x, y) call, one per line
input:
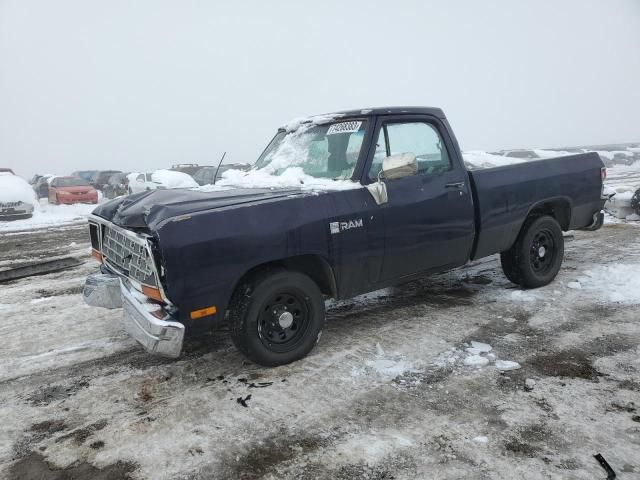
point(70, 190)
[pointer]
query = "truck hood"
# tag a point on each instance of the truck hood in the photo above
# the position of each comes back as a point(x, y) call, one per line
point(148, 209)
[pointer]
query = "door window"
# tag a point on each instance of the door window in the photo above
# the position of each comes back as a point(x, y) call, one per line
point(419, 138)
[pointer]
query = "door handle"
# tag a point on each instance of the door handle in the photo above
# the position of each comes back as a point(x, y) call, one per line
point(458, 185)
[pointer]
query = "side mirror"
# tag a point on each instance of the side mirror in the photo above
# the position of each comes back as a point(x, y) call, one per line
point(399, 165)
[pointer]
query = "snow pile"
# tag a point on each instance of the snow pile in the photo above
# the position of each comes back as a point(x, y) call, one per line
point(480, 355)
point(389, 365)
point(283, 169)
point(50, 216)
point(172, 179)
point(506, 365)
point(293, 177)
point(296, 123)
point(15, 189)
point(551, 153)
point(617, 282)
point(476, 361)
point(612, 154)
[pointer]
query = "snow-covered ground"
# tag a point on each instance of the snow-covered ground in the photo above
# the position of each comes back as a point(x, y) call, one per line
point(47, 215)
point(460, 375)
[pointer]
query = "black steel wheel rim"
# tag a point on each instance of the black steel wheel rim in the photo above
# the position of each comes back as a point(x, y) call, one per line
point(543, 251)
point(283, 321)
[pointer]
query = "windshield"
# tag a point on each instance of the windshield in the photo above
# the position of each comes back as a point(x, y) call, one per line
point(321, 151)
point(71, 182)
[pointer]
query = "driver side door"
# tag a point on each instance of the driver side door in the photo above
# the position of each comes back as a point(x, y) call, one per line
point(428, 221)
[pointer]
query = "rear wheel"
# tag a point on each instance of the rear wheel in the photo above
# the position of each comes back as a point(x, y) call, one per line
point(536, 257)
point(635, 202)
point(277, 318)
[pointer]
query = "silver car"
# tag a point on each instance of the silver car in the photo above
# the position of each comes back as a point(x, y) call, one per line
point(16, 197)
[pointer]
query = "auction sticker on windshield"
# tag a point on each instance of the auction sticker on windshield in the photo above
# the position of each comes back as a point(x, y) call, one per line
point(344, 127)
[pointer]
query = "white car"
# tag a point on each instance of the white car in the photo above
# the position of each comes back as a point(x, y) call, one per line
point(17, 198)
point(160, 179)
point(141, 182)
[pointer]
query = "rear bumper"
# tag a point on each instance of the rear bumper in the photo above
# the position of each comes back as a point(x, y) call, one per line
point(152, 326)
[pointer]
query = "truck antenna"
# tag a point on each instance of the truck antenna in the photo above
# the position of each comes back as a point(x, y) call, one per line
point(215, 177)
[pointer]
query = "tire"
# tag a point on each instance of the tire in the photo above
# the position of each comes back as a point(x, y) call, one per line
point(260, 326)
point(536, 257)
point(635, 202)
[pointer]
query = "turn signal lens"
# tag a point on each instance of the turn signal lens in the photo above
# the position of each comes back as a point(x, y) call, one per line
point(96, 254)
point(203, 312)
point(152, 292)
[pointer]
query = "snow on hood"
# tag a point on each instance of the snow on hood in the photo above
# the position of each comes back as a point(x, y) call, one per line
point(15, 189)
point(172, 179)
point(292, 177)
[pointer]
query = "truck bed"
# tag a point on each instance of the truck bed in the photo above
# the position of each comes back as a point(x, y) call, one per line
point(504, 196)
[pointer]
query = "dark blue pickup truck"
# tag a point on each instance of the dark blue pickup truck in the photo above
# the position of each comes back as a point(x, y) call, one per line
point(336, 205)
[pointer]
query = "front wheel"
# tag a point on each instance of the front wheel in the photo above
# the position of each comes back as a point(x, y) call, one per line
point(536, 257)
point(277, 318)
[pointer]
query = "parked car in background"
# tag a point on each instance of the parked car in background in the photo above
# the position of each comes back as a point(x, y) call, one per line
point(188, 168)
point(141, 182)
point(205, 175)
point(118, 184)
point(101, 178)
point(159, 180)
point(87, 175)
point(68, 190)
point(41, 186)
point(6, 170)
point(35, 179)
point(16, 197)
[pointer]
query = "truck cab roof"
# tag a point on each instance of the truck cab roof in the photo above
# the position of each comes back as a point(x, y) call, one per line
point(436, 112)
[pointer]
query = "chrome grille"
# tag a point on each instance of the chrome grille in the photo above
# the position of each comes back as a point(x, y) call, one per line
point(129, 255)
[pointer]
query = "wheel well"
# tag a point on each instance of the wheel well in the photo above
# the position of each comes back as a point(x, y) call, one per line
point(314, 266)
point(559, 209)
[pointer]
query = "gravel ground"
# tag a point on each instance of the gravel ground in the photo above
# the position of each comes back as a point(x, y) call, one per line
point(388, 392)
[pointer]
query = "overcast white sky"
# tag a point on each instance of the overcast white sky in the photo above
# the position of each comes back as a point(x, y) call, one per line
point(140, 85)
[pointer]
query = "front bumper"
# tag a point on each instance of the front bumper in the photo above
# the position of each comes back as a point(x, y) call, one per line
point(73, 199)
point(15, 216)
point(152, 326)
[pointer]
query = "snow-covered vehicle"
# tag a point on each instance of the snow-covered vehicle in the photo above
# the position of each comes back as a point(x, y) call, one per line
point(336, 206)
point(160, 179)
point(16, 197)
